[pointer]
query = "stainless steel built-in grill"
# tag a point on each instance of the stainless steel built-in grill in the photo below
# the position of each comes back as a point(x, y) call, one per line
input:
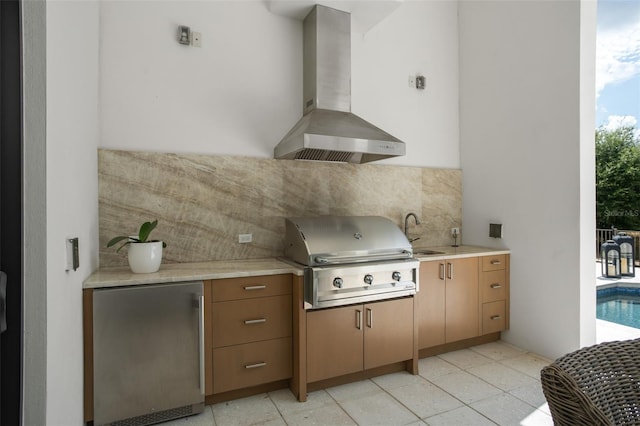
point(351, 259)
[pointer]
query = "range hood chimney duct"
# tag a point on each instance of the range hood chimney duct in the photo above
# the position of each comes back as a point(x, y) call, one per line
point(328, 131)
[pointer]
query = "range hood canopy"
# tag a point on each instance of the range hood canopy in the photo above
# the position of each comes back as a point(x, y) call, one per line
point(328, 131)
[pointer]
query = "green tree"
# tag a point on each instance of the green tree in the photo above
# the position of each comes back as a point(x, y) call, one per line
point(618, 178)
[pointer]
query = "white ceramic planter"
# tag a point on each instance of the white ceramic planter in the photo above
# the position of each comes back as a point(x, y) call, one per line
point(145, 257)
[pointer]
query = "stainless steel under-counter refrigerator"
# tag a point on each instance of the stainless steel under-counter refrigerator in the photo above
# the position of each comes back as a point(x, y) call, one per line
point(148, 352)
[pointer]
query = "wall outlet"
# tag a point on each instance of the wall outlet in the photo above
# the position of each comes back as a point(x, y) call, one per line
point(245, 238)
point(196, 39)
point(455, 232)
point(412, 81)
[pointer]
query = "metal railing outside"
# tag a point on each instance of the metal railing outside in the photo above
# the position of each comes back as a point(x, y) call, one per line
point(602, 235)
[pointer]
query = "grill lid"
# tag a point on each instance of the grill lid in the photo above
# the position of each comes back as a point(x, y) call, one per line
point(325, 240)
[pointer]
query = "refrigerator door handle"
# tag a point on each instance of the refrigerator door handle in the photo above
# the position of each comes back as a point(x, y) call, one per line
point(3, 302)
point(201, 344)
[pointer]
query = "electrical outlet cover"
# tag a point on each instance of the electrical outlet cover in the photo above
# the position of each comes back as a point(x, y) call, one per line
point(196, 39)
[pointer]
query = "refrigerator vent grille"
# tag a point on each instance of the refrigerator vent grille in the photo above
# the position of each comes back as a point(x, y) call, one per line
point(160, 416)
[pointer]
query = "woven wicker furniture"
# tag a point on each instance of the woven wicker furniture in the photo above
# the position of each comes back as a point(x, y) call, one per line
point(596, 385)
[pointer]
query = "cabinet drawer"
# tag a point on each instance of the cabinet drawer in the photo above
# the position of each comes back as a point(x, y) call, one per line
point(250, 287)
point(494, 263)
point(251, 320)
point(493, 316)
point(251, 364)
point(493, 286)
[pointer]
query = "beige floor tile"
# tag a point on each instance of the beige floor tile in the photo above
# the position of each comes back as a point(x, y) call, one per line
point(394, 380)
point(498, 350)
point(501, 376)
point(354, 390)
point(254, 410)
point(531, 394)
point(607, 331)
point(528, 364)
point(463, 416)
point(537, 418)
point(434, 366)
point(504, 409)
point(465, 358)
point(202, 419)
point(329, 414)
point(425, 399)
point(286, 402)
point(319, 409)
point(378, 409)
point(466, 387)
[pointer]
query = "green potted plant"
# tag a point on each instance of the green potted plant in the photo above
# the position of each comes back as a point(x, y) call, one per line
point(144, 255)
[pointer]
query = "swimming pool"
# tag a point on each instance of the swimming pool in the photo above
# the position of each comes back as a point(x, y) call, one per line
point(620, 305)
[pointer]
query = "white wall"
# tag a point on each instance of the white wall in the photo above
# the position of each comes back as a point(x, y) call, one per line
point(420, 37)
point(242, 91)
point(525, 158)
point(588, 19)
point(72, 199)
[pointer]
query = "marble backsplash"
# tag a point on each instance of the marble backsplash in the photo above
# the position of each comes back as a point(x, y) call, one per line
point(203, 202)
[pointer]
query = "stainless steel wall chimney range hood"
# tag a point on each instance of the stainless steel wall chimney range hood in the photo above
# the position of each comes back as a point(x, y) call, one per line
point(328, 131)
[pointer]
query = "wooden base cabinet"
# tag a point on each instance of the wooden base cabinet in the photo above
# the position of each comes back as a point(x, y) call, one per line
point(448, 301)
point(494, 293)
point(354, 338)
point(251, 331)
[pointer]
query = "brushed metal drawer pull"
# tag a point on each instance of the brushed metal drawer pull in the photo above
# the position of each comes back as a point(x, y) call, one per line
point(255, 287)
point(496, 317)
point(369, 318)
point(495, 262)
point(496, 285)
point(256, 365)
point(442, 271)
point(358, 319)
point(255, 321)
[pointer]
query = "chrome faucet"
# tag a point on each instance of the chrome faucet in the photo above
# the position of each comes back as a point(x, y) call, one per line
point(406, 225)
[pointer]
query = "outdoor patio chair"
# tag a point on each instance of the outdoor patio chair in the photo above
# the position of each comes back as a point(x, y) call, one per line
point(596, 385)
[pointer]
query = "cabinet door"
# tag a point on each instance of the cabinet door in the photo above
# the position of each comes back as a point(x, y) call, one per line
point(334, 342)
point(461, 310)
point(431, 304)
point(388, 332)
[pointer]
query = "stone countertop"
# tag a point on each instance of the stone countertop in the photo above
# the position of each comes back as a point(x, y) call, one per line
point(178, 272)
point(449, 252)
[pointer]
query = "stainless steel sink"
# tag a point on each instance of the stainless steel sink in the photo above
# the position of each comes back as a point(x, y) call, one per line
point(426, 252)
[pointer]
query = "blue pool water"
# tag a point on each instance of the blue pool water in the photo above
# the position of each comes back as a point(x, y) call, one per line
point(620, 305)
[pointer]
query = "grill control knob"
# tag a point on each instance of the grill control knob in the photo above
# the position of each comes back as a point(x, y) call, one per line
point(396, 276)
point(337, 282)
point(368, 279)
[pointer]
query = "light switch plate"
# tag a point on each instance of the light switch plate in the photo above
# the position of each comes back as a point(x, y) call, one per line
point(73, 259)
